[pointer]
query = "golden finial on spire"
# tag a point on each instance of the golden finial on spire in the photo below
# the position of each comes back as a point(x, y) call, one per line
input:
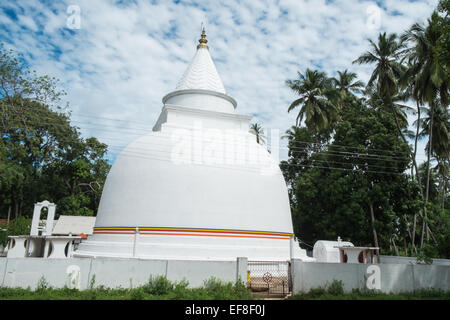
point(203, 41)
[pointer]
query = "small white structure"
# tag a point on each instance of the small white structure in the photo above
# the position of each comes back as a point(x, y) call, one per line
point(51, 208)
point(74, 225)
point(328, 251)
point(342, 252)
point(357, 254)
point(42, 243)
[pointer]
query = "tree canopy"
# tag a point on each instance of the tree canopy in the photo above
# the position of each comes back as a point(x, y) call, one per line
point(42, 156)
point(352, 169)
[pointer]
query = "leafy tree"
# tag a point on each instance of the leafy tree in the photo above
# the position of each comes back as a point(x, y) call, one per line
point(443, 43)
point(41, 155)
point(365, 194)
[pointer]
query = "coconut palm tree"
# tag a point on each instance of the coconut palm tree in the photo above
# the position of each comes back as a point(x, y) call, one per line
point(431, 74)
point(346, 85)
point(258, 131)
point(317, 99)
point(437, 124)
point(431, 77)
point(385, 55)
point(398, 99)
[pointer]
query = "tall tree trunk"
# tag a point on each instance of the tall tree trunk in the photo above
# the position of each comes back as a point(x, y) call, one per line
point(414, 233)
point(9, 215)
point(410, 234)
point(395, 247)
point(427, 190)
point(417, 174)
point(16, 209)
point(426, 227)
point(444, 187)
point(375, 236)
point(416, 137)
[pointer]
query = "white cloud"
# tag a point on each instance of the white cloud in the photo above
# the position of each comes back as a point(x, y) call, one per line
point(126, 57)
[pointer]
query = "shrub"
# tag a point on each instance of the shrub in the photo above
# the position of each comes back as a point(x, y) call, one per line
point(158, 286)
point(336, 288)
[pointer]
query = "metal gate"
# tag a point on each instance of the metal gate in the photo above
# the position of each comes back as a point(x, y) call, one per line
point(269, 278)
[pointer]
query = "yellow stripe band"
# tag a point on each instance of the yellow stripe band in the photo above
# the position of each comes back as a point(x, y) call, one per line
point(152, 230)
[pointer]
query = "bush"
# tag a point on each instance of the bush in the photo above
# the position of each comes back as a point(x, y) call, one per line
point(336, 288)
point(158, 286)
point(426, 253)
point(17, 227)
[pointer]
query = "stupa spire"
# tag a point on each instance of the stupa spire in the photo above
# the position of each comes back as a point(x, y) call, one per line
point(202, 41)
point(201, 72)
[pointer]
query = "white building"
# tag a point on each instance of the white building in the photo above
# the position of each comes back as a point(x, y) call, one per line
point(198, 186)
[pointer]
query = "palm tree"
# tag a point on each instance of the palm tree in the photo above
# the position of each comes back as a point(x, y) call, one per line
point(376, 101)
point(432, 80)
point(346, 85)
point(258, 131)
point(437, 125)
point(431, 74)
point(385, 55)
point(317, 97)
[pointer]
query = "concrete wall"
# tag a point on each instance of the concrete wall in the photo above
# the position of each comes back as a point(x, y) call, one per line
point(410, 260)
point(126, 273)
point(383, 277)
point(113, 273)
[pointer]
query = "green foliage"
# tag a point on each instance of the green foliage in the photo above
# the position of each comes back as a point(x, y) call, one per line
point(157, 288)
point(92, 282)
point(159, 285)
point(18, 227)
point(353, 181)
point(361, 163)
point(42, 157)
point(426, 253)
point(42, 285)
point(318, 100)
point(336, 288)
point(357, 294)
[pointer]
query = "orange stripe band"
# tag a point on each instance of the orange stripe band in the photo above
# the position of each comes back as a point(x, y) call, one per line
point(215, 235)
point(194, 232)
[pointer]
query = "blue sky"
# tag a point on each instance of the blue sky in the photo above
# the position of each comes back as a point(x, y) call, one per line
point(126, 55)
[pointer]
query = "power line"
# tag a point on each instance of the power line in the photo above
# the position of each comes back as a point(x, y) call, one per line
point(296, 142)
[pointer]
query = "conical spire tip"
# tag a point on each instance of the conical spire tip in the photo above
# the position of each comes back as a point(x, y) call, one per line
point(202, 41)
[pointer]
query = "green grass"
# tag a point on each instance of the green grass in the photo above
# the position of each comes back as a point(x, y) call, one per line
point(335, 291)
point(158, 288)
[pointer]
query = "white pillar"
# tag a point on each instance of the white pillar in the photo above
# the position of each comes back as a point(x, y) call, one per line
point(291, 247)
point(50, 217)
point(59, 246)
point(18, 250)
point(135, 242)
point(51, 207)
point(35, 222)
point(47, 248)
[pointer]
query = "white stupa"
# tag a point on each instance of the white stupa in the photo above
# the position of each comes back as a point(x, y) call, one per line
point(197, 187)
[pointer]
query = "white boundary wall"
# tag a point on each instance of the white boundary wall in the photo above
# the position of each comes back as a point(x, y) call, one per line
point(113, 273)
point(382, 277)
point(410, 260)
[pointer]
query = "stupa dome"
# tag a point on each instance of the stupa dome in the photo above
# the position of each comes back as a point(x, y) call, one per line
point(197, 187)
